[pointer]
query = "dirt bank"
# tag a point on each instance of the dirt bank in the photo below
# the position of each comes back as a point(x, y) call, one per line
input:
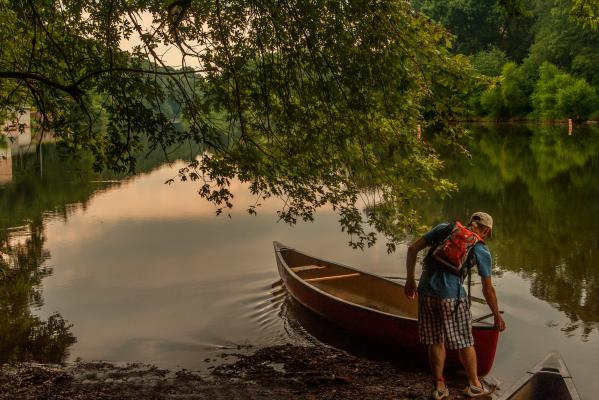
point(279, 372)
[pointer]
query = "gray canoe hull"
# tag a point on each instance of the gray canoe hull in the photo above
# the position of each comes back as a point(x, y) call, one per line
point(550, 379)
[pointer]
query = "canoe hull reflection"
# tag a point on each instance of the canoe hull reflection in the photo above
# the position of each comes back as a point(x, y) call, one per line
point(367, 304)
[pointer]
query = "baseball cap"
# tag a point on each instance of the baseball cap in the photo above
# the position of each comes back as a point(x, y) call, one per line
point(482, 218)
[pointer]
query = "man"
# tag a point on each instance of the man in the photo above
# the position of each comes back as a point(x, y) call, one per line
point(443, 307)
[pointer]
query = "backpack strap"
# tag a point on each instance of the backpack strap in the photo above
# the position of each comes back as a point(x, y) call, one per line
point(469, 287)
point(470, 264)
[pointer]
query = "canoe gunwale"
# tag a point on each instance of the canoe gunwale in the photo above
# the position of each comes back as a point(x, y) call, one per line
point(280, 248)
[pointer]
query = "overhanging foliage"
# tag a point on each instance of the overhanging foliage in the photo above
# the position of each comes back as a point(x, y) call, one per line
point(315, 102)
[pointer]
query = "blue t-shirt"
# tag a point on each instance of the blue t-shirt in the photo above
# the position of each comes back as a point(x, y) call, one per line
point(436, 281)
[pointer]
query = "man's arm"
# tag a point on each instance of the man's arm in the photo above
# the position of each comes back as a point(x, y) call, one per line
point(491, 298)
point(410, 288)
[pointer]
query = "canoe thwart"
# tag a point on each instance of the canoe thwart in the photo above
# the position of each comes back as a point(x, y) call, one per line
point(281, 249)
point(307, 267)
point(485, 317)
point(327, 278)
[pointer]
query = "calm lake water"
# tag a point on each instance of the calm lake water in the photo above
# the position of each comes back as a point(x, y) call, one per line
point(100, 267)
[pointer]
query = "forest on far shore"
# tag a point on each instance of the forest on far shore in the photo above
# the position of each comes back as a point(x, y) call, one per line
point(535, 60)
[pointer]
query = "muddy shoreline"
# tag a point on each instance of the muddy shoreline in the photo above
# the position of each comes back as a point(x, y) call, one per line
point(278, 372)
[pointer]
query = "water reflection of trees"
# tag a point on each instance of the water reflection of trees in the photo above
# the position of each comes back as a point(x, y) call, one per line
point(60, 185)
point(24, 202)
point(26, 336)
point(57, 188)
point(542, 187)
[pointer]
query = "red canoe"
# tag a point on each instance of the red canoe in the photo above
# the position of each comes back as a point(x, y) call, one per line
point(367, 304)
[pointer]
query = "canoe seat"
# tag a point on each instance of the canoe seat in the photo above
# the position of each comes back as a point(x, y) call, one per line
point(331, 277)
point(307, 267)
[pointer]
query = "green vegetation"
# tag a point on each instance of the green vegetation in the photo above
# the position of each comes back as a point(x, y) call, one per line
point(586, 13)
point(536, 59)
point(557, 94)
point(297, 99)
point(308, 102)
point(506, 98)
point(483, 24)
point(489, 62)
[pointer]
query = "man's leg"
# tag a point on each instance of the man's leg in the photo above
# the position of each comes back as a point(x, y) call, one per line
point(436, 359)
point(468, 359)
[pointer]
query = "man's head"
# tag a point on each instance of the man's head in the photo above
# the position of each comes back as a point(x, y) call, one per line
point(481, 223)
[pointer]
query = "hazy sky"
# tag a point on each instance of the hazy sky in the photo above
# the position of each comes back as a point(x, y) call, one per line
point(171, 55)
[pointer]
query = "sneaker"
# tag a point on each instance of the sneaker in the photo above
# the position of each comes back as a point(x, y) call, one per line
point(439, 394)
point(492, 383)
point(473, 391)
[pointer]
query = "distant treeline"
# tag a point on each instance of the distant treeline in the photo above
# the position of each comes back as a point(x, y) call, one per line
point(532, 59)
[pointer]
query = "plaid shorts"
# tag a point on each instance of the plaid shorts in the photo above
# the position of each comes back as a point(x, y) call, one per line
point(439, 321)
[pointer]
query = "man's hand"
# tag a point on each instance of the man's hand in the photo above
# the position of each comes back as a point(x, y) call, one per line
point(499, 323)
point(491, 298)
point(410, 288)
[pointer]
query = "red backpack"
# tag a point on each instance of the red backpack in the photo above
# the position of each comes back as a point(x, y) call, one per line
point(454, 250)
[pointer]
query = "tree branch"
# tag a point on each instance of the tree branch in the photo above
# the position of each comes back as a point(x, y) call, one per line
point(136, 70)
point(72, 90)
